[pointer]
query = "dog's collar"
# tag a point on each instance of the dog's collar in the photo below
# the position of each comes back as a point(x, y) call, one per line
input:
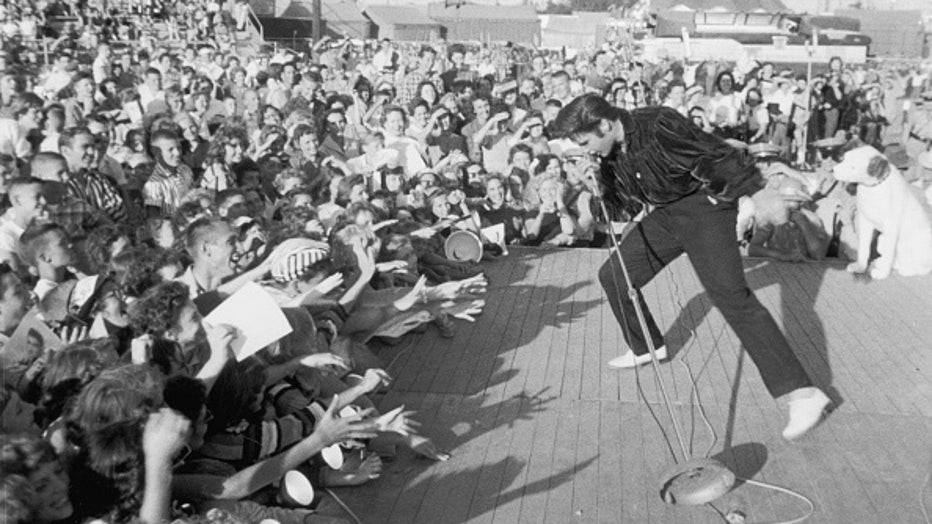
point(878, 181)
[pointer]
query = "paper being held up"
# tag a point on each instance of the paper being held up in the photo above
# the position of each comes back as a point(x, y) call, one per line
point(255, 315)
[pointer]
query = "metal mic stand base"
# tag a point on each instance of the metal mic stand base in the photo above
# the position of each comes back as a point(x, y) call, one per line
point(695, 482)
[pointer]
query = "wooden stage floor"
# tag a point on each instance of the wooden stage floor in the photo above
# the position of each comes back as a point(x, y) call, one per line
point(541, 431)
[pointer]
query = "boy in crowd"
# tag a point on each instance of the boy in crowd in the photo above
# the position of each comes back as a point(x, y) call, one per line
point(26, 205)
point(171, 179)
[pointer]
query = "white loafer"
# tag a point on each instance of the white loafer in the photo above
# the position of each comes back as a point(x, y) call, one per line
point(807, 406)
point(630, 360)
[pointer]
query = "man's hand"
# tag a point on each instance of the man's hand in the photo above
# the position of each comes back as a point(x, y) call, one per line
point(330, 283)
point(500, 117)
point(73, 333)
point(398, 421)
point(365, 257)
point(394, 266)
point(424, 232)
point(332, 429)
point(324, 361)
point(375, 378)
point(165, 433)
point(220, 338)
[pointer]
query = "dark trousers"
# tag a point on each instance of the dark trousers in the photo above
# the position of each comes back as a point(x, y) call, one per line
point(706, 232)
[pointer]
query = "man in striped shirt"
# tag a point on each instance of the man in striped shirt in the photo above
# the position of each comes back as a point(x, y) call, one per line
point(171, 179)
point(78, 148)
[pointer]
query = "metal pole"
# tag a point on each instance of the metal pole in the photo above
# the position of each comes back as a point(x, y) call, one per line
point(642, 321)
point(317, 21)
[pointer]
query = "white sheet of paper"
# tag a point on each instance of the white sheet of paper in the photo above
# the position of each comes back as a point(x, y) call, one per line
point(255, 315)
point(494, 234)
point(98, 328)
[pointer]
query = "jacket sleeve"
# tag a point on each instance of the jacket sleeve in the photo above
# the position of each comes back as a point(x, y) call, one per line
point(726, 173)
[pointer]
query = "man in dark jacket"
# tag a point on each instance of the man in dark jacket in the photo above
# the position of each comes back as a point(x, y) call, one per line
point(689, 181)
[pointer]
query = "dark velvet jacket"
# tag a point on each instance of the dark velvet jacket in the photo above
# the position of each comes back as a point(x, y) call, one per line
point(665, 157)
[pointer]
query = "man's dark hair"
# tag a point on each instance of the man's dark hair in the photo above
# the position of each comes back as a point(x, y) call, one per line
point(583, 115)
point(66, 139)
point(23, 102)
point(35, 239)
point(456, 48)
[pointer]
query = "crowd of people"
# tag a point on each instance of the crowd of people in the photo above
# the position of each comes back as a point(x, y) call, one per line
point(146, 179)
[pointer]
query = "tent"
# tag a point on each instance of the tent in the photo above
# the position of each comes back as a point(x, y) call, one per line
point(403, 23)
point(487, 23)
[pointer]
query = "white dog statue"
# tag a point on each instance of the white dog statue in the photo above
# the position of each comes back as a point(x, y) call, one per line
point(888, 204)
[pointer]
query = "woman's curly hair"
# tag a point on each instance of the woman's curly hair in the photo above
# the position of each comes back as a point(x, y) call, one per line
point(68, 371)
point(156, 312)
point(124, 393)
point(99, 244)
point(216, 152)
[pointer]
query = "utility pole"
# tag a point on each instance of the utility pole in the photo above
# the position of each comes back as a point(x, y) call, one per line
point(317, 29)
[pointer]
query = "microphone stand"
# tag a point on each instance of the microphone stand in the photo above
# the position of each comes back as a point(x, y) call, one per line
point(693, 482)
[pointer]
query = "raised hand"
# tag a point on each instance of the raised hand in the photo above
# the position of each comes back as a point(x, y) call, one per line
point(220, 338)
point(398, 421)
point(500, 117)
point(165, 433)
point(333, 429)
point(365, 257)
point(73, 333)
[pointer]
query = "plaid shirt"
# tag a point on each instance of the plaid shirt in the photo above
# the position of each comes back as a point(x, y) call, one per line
point(76, 216)
point(100, 192)
point(413, 79)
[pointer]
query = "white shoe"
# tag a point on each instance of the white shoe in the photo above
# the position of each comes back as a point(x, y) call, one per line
point(806, 408)
point(630, 360)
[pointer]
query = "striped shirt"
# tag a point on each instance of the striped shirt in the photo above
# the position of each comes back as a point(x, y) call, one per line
point(165, 188)
point(98, 191)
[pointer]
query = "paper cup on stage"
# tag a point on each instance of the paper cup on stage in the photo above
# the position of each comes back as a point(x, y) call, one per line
point(298, 490)
point(463, 246)
point(349, 411)
point(333, 456)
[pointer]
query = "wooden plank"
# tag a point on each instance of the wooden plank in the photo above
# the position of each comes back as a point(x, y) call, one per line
point(586, 475)
point(611, 496)
point(540, 466)
point(481, 336)
point(560, 492)
point(592, 359)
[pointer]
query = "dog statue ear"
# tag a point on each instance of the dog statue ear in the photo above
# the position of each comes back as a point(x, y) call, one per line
point(879, 167)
